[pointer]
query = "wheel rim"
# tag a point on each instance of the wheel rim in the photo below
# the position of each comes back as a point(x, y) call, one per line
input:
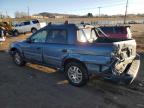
point(75, 74)
point(16, 33)
point(17, 58)
point(34, 30)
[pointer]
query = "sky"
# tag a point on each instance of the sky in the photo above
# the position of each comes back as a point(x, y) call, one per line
point(77, 7)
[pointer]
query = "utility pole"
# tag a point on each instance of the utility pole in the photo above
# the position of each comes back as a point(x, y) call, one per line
point(126, 12)
point(0, 15)
point(99, 11)
point(28, 11)
point(6, 14)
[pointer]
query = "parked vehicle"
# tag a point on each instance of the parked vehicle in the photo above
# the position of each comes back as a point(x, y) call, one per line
point(2, 37)
point(132, 22)
point(117, 32)
point(79, 52)
point(28, 26)
point(7, 28)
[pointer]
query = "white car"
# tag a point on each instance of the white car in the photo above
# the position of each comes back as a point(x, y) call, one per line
point(28, 26)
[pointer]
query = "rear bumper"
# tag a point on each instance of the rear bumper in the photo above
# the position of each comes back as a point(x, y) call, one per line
point(134, 68)
point(130, 73)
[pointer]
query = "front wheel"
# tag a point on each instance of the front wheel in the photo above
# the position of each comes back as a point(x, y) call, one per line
point(76, 74)
point(18, 60)
point(33, 30)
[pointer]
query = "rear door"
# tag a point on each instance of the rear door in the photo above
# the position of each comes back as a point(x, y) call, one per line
point(23, 27)
point(33, 50)
point(27, 26)
point(56, 47)
point(19, 27)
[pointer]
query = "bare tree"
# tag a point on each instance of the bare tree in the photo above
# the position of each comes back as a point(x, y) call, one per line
point(20, 14)
point(89, 15)
point(3, 16)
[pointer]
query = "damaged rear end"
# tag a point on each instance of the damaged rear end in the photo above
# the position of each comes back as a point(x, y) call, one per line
point(125, 61)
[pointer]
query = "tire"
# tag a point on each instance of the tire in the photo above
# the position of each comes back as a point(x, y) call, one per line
point(76, 74)
point(18, 59)
point(33, 30)
point(16, 33)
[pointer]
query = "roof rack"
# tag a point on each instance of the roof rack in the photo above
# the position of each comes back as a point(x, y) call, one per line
point(50, 23)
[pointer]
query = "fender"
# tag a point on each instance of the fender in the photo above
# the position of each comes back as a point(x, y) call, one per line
point(72, 56)
point(16, 47)
point(103, 60)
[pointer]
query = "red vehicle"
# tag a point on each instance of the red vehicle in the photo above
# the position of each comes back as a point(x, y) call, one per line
point(117, 32)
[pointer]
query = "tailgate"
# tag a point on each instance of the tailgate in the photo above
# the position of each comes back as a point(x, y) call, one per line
point(124, 55)
point(126, 49)
point(42, 24)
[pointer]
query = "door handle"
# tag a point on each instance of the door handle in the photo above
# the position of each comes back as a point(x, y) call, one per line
point(64, 50)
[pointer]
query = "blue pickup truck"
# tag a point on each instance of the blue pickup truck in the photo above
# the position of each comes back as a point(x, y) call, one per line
point(79, 52)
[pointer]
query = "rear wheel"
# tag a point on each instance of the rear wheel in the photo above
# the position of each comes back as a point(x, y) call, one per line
point(76, 74)
point(16, 33)
point(18, 59)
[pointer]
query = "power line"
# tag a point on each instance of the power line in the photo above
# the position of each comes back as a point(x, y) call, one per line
point(103, 6)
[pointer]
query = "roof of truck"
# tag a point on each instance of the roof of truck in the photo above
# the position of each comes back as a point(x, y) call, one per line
point(115, 26)
point(77, 26)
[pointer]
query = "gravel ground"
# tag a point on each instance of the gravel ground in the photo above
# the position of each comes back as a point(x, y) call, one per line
point(35, 86)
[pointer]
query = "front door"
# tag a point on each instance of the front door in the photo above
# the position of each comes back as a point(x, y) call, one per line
point(56, 47)
point(33, 49)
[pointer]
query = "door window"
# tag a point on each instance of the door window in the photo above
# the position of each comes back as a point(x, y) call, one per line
point(57, 36)
point(35, 21)
point(26, 23)
point(39, 37)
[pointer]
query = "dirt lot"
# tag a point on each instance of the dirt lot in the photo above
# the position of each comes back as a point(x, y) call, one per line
point(138, 34)
point(35, 86)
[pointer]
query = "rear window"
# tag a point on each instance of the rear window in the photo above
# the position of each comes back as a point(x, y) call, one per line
point(35, 21)
point(107, 29)
point(119, 30)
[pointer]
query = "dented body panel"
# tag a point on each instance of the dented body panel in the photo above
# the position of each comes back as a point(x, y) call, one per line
point(111, 59)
